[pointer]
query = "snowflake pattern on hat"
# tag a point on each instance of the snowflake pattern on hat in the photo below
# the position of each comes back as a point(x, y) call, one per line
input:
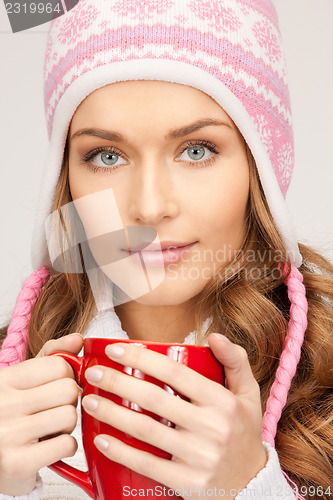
point(285, 160)
point(267, 39)
point(222, 17)
point(141, 10)
point(265, 132)
point(78, 20)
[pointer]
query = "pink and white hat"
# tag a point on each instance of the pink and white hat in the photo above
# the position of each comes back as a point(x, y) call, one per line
point(229, 49)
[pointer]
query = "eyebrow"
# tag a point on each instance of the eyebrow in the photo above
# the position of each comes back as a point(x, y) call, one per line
point(172, 134)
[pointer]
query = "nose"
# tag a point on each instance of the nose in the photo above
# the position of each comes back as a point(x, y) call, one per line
point(153, 195)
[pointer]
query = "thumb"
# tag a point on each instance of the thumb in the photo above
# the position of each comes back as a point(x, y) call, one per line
point(72, 343)
point(238, 373)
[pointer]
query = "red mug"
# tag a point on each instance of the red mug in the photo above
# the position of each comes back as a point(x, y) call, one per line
point(105, 479)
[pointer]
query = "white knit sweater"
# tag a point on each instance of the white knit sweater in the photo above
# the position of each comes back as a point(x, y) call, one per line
point(269, 484)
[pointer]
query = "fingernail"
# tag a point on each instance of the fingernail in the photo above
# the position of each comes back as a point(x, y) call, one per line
point(222, 338)
point(101, 443)
point(71, 334)
point(114, 351)
point(89, 403)
point(94, 374)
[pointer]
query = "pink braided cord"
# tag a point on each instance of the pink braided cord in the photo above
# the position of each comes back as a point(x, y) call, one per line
point(289, 359)
point(15, 344)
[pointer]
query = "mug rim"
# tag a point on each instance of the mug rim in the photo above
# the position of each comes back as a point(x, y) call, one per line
point(146, 342)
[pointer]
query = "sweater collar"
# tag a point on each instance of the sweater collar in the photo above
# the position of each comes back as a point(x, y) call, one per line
point(106, 324)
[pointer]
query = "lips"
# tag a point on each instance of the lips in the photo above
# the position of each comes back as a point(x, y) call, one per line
point(146, 246)
point(158, 257)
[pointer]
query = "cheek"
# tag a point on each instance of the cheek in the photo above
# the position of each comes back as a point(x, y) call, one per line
point(223, 212)
point(82, 182)
point(96, 206)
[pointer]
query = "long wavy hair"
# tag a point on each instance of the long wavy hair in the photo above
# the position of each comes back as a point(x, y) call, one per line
point(249, 303)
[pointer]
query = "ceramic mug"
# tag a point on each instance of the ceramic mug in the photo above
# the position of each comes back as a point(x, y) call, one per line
point(105, 479)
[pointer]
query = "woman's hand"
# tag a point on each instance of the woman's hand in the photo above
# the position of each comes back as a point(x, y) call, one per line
point(38, 398)
point(217, 439)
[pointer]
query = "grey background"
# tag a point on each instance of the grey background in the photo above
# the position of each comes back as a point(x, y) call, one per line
point(306, 27)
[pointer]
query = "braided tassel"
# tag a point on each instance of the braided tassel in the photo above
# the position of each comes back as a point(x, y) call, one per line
point(289, 359)
point(290, 355)
point(15, 344)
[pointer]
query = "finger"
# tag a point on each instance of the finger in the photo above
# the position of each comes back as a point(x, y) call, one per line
point(70, 343)
point(27, 460)
point(146, 395)
point(36, 371)
point(185, 380)
point(44, 453)
point(234, 358)
point(140, 426)
point(22, 432)
point(164, 471)
point(59, 392)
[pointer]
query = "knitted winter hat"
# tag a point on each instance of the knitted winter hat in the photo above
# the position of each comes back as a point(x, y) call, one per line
point(229, 49)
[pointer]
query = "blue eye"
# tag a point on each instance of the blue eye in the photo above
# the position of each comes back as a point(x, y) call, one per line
point(194, 150)
point(197, 150)
point(108, 156)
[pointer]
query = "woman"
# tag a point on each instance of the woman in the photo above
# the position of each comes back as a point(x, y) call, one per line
point(194, 69)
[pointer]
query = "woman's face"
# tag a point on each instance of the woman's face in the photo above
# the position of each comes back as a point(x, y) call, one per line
point(171, 169)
